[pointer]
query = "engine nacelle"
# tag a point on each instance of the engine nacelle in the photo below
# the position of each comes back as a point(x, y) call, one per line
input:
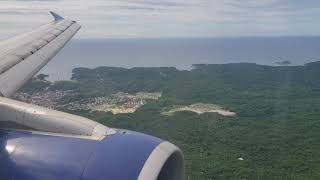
point(61, 146)
point(124, 155)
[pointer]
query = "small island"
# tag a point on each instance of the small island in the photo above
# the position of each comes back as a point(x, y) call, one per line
point(284, 63)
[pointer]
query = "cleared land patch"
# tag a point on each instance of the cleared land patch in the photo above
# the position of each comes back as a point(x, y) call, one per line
point(198, 108)
point(126, 103)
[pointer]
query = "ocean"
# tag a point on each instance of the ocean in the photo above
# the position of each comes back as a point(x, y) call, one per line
point(181, 53)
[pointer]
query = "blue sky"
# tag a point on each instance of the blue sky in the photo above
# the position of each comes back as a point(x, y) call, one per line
point(168, 18)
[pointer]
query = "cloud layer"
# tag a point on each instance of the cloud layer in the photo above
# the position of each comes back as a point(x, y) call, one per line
point(168, 18)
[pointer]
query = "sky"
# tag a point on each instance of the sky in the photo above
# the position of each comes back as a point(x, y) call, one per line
point(167, 18)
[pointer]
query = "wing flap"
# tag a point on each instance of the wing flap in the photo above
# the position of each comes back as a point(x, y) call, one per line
point(26, 54)
point(7, 62)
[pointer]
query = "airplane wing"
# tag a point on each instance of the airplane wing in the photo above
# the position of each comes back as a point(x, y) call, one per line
point(22, 56)
point(58, 145)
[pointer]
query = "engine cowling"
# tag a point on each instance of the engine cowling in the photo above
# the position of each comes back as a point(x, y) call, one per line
point(124, 155)
point(62, 146)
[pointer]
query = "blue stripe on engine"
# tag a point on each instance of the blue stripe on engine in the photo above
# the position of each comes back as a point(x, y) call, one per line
point(37, 157)
point(26, 156)
point(120, 157)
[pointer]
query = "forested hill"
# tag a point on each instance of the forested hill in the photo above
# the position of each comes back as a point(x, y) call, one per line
point(275, 133)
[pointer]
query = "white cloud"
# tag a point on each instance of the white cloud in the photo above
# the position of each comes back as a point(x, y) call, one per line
point(167, 18)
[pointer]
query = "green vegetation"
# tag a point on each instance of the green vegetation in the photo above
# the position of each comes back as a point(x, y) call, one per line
point(276, 129)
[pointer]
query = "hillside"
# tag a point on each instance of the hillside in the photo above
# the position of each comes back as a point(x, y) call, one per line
point(274, 134)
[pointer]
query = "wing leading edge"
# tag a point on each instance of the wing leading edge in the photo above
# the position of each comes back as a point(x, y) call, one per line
point(22, 56)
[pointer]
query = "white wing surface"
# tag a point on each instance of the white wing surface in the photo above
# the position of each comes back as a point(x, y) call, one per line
point(22, 56)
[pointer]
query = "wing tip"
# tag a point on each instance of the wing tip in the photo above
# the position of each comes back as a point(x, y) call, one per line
point(56, 16)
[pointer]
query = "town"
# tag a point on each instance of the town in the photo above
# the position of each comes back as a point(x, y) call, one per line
point(116, 103)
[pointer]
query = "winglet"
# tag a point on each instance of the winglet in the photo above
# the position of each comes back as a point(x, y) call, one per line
point(56, 16)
